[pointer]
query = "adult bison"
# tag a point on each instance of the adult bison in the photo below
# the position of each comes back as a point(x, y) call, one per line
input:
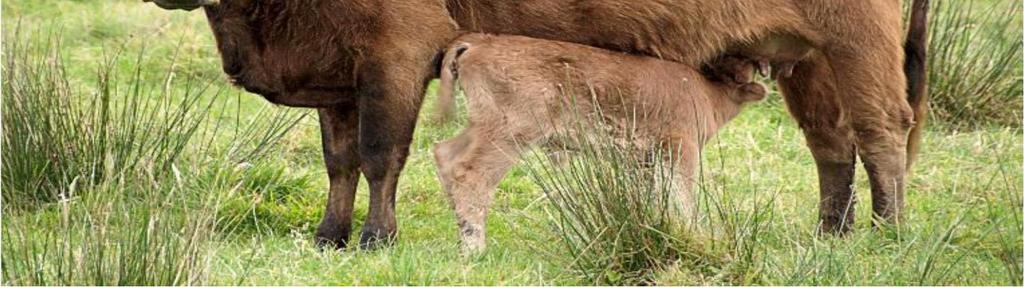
point(365, 64)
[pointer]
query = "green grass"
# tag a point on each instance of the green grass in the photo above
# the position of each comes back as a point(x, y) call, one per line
point(964, 198)
point(116, 234)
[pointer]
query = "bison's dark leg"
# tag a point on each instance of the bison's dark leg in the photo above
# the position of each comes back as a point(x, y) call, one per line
point(872, 87)
point(880, 117)
point(812, 99)
point(388, 108)
point(339, 129)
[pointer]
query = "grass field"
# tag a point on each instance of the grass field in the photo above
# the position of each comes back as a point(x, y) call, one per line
point(252, 218)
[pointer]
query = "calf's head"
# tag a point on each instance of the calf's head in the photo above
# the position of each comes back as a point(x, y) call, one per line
point(736, 75)
point(748, 93)
point(739, 91)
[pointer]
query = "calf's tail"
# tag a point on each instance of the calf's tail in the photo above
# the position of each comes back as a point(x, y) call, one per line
point(445, 106)
point(915, 68)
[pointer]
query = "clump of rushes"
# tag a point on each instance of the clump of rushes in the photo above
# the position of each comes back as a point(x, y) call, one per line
point(58, 134)
point(87, 199)
point(613, 209)
point(1007, 212)
point(975, 61)
point(106, 182)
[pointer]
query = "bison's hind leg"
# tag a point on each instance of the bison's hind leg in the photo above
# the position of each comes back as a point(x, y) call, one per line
point(873, 92)
point(812, 99)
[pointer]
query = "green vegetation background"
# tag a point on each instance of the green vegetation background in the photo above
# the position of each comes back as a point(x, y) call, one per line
point(963, 197)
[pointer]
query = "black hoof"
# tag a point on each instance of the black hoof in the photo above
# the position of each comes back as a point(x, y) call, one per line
point(835, 227)
point(332, 238)
point(376, 238)
point(888, 227)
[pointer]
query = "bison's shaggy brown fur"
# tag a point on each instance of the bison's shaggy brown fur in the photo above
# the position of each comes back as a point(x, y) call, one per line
point(522, 90)
point(364, 64)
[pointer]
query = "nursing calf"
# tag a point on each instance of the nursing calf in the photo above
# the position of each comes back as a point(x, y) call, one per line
point(521, 90)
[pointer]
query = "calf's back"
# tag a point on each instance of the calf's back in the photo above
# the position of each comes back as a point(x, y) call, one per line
point(543, 84)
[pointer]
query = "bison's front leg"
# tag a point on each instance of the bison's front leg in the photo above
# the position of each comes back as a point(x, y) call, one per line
point(389, 104)
point(339, 129)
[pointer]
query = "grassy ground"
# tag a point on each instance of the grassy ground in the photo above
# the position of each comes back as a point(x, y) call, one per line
point(963, 214)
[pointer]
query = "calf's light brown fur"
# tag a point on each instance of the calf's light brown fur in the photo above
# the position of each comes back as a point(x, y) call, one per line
point(520, 90)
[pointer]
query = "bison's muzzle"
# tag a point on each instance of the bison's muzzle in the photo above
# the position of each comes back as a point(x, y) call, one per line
point(188, 5)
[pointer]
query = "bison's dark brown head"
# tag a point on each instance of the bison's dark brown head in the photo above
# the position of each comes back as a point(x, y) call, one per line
point(182, 4)
point(292, 52)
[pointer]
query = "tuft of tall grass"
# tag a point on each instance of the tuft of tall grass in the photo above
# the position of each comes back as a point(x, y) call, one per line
point(258, 194)
point(94, 162)
point(975, 60)
point(60, 135)
point(617, 210)
point(105, 181)
point(613, 212)
point(1007, 211)
point(614, 203)
point(736, 224)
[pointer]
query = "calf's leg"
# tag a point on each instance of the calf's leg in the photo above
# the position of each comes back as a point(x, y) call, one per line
point(470, 168)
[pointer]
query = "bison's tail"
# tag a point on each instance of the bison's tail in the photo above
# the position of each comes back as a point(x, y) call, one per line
point(915, 67)
point(445, 105)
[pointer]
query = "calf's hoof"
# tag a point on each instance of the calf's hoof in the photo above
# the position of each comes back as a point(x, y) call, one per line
point(472, 245)
point(472, 238)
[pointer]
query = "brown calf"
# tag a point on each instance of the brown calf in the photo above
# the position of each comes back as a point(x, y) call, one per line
point(520, 90)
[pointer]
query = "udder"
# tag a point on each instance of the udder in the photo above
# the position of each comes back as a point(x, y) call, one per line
point(774, 56)
point(778, 54)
